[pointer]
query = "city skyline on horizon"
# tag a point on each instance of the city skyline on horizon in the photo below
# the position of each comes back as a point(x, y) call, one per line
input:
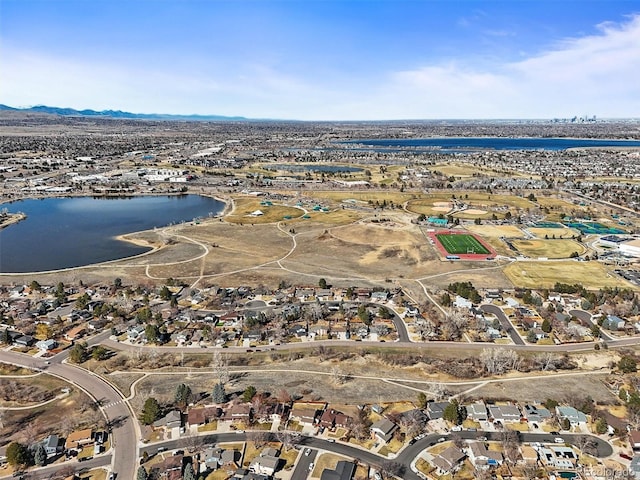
point(325, 60)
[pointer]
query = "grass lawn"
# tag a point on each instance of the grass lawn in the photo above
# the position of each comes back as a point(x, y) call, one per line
point(326, 460)
point(391, 447)
point(97, 474)
point(546, 274)
point(461, 243)
point(548, 248)
point(517, 426)
point(423, 466)
point(220, 474)
point(289, 456)
point(209, 427)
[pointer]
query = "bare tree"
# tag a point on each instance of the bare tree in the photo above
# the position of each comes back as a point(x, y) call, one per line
point(530, 471)
point(546, 361)
point(390, 469)
point(220, 365)
point(498, 361)
point(259, 437)
point(193, 441)
point(337, 376)
point(510, 445)
point(288, 439)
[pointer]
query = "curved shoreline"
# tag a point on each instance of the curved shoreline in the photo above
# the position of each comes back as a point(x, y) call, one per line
point(228, 206)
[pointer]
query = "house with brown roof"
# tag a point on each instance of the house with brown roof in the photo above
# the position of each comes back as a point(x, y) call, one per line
point(306, 413)
point(202, 416)
point(75, 333)
point(332, 419)
point(634, 439)
point(171, 467)
point(78, 439)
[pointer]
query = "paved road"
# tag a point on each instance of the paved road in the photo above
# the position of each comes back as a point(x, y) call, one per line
point(587, 318)
point(54, 471)
point(301, 471)
point(404, 457)
point(504, 321)
point(123, 431)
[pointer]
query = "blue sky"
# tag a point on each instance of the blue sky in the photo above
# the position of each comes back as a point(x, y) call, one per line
point(325, 59)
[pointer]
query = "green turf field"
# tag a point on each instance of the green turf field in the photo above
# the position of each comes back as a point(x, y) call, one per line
point(457, 244)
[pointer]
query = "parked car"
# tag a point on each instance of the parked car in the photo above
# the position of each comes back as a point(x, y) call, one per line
point(559, 440)
point(307, 451)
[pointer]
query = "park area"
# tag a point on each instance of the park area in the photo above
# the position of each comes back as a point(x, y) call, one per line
point(464, 246)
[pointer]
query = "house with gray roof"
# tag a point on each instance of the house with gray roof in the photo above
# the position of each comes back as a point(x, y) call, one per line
point(448, 460)
point(505, 413)
point(343, 471)
point(383, 429)
point(534, 413)
point(478, 412)
point(575, 417)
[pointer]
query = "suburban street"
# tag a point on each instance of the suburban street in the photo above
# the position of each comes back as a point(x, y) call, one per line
point(123, 432)
point(504, 321)
point(123, 425)
point(586, 317)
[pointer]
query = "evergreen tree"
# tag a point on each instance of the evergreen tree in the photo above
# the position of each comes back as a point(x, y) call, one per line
point(249, 393)
point(150, 411)
point(18, 454)
point(183, 395)
point(78, 353)
point(40, 455)
point(219, 395)
point(142, 473)
point(5, 337)
point(151, 332)
point(189, 474)
point(546, 326)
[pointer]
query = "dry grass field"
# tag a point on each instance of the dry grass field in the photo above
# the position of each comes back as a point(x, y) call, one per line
point(559, 388)
point(508, 231)
point(548, 248)
point(564, 232)
point(546, 274)
point(245, 206)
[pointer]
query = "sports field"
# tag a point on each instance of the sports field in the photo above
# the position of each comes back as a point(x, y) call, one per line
point(461, 243)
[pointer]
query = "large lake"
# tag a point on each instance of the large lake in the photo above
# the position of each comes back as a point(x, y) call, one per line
point(462, 144)
point(70, 232)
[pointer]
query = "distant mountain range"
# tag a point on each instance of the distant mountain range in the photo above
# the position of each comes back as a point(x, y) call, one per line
point(71, 112)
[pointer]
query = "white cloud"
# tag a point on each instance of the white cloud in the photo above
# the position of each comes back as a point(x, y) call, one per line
point(597, 75)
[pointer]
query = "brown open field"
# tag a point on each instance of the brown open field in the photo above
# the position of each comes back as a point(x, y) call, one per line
point(558, 388)
point(365, 196)
point(548, 248)
point(546, 274)
point(61, 416)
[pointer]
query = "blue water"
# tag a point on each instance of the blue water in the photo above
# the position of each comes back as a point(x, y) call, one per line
point(70, 232)
point(461, 144)
point(314, 168)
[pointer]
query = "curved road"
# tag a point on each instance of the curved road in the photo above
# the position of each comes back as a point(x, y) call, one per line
point(504, 321)
point(123, 429)
point(405, 457)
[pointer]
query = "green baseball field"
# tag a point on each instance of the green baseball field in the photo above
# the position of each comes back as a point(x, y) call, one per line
point(457, 244)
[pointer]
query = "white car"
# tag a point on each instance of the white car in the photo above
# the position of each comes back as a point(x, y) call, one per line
point(311, 466)
point(307, 451)
point(559, 440)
